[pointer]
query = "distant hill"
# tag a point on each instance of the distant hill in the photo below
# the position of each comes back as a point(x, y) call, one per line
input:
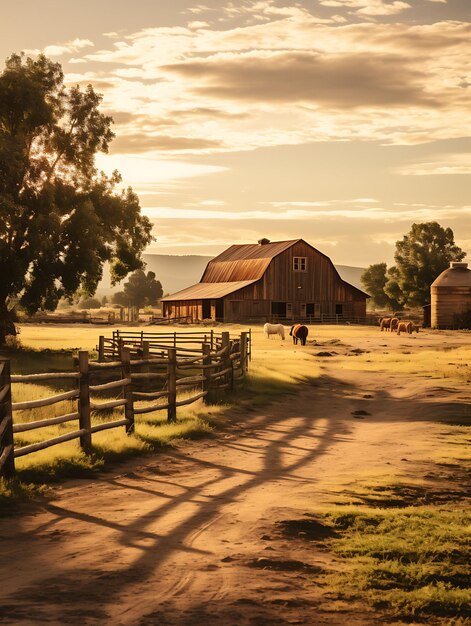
point(351, 274)
point(177, 272)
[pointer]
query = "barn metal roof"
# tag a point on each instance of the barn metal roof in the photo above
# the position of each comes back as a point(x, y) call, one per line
point(208, 290)
point(254, 251)
point(244, 262)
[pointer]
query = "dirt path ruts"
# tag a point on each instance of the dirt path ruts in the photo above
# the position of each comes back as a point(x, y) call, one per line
point(192, 536)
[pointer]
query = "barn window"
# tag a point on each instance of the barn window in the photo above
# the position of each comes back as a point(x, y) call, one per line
point(299, 263)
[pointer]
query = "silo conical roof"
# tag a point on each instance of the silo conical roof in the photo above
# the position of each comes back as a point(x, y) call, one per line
point(457, 275)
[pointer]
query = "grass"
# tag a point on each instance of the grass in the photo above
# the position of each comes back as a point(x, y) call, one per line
point(411, 563)
point(453, 364)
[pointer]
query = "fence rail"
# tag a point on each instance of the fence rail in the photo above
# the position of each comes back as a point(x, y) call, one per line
point(148, 344)
point(144, 385)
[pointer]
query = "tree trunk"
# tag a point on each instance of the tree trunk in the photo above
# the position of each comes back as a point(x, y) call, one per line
point(7, 325)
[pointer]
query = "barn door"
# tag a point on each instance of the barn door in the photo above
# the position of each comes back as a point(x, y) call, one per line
point(206, 310)
point(220, 310)
point(278, 310)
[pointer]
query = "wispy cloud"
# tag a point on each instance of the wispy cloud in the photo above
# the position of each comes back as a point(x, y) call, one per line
point(370, 7)
point(56, 50)
point(441, 165)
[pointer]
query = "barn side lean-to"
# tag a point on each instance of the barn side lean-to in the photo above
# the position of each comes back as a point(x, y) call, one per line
point(281, 280)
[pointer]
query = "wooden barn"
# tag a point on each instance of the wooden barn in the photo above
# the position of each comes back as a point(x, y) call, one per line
point(283, 280)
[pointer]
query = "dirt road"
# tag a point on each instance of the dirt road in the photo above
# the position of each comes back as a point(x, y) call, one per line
point(208, 533)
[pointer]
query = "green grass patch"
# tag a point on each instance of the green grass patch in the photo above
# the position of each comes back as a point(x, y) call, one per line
point(412, 563)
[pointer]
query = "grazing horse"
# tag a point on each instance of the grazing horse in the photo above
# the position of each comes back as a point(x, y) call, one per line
point(274, 329)
point(407, 326)
point(299, 332)
point(394, 322)
point(385, 323)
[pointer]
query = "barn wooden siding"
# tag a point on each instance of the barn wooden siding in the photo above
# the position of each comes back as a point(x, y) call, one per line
point(271, 268)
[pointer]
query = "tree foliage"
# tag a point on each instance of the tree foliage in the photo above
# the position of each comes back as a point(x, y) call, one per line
point(374, 279)
point(141, 290)
point(423, 254)
point(60, 218)
point(89, 303)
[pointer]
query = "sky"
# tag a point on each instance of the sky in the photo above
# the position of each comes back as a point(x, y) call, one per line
point(339, 121)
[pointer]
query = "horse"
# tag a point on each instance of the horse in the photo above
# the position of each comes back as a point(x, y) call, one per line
point(406, 326)
point(385, 323)
point(394, 322)
point(299, 332)
point(274, 329)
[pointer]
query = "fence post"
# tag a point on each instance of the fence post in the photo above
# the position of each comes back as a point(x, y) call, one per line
point(206, 349)
point(212, 339)
point(7, 452)
point(172, 385)
point(226, 358)
point(101, 348)
point(127, 389)
point(249, 347)
point(84, 402)
point(243, 353)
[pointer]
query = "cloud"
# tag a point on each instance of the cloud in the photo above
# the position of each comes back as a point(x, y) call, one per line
point(370, 7)
point(441, 165)
point(290, 78)
point(361, 214)
point(70, 46)
point(334, 80)
point(141, 142)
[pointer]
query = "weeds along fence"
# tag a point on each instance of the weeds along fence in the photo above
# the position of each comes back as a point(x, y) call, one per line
point(173, 378)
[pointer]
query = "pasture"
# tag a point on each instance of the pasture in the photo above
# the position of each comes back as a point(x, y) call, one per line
point(335, 485)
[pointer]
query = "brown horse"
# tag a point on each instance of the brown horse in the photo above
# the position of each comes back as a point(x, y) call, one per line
point(299, 332)
point(394, 322)
point(385, 323)
point(406, 326)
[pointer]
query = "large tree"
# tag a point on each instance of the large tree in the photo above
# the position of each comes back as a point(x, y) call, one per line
point(141, 290)
point(61, 219)
point(420, 257)
point(374, 279)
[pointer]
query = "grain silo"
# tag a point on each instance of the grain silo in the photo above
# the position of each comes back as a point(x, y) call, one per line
point(451, 297)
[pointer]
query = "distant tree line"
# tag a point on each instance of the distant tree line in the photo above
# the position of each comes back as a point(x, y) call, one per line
point(421, 255)
point(141, 290)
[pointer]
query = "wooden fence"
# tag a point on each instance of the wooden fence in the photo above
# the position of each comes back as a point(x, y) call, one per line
point(147, 343)
point(145, 385)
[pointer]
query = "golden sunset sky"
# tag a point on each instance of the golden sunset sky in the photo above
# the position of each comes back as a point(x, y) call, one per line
point(339, 121)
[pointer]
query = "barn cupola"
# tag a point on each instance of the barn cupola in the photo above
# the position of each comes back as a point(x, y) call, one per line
point(263, 242)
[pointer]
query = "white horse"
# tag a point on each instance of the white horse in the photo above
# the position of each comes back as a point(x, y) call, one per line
point(274, 329)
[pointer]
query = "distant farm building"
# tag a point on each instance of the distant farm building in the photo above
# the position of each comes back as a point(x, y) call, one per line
point(451, 298)
point(283, 280)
